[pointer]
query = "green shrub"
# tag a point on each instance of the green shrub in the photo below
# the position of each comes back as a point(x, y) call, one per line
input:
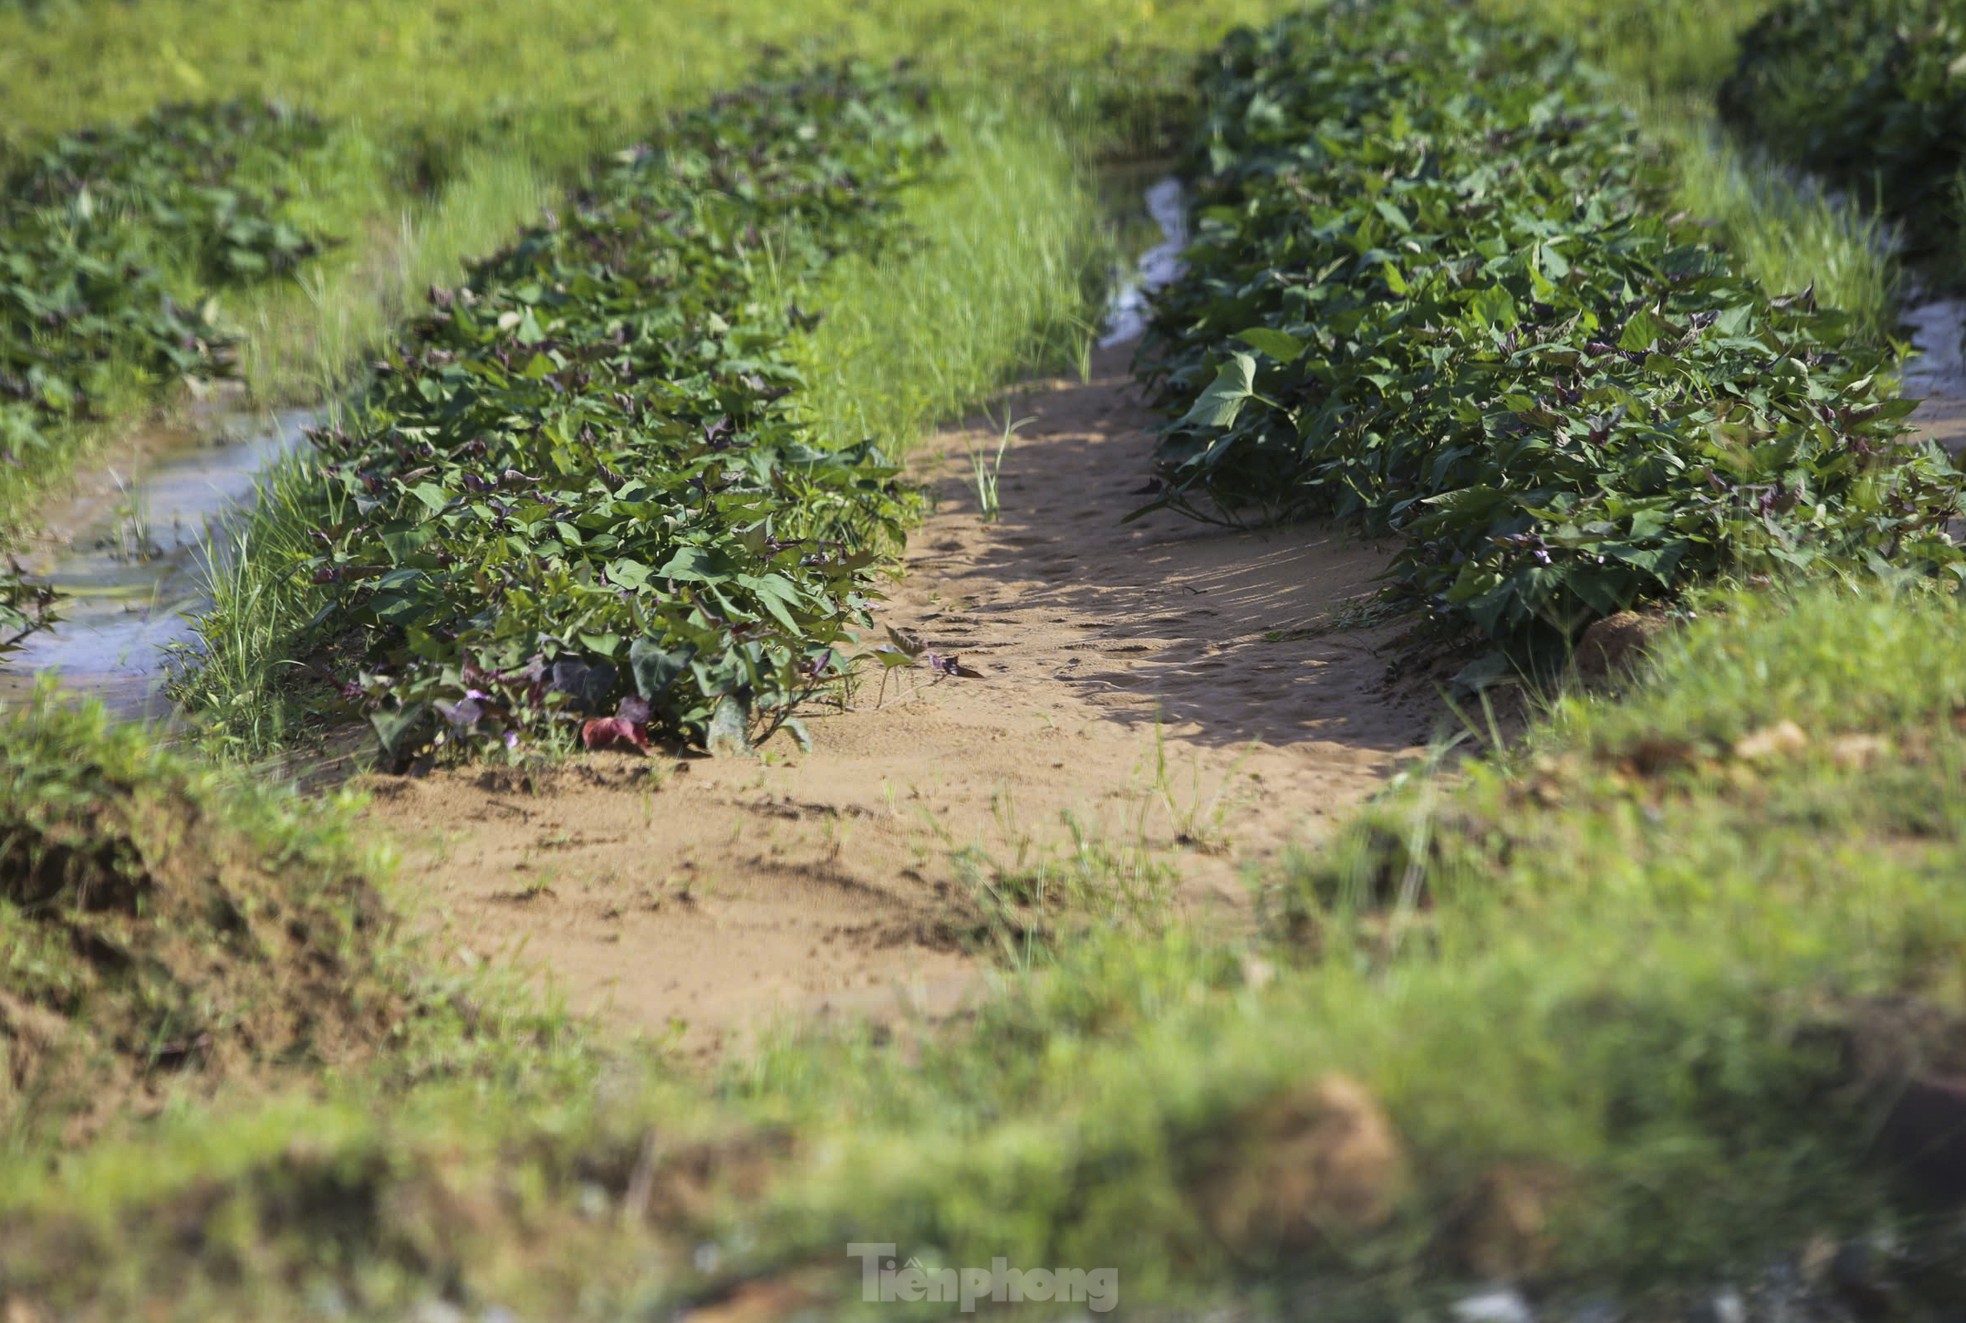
point(1434, 288)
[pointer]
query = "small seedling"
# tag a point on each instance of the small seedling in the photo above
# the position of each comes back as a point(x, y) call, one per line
point(986, 467)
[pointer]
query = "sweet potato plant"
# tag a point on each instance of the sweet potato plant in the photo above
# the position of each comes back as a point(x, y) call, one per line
point(1436, 289)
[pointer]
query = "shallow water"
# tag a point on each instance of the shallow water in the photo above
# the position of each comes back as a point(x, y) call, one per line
point(132, 576)
point(1938, 368)
point(1159, 267)
point(1935, 375)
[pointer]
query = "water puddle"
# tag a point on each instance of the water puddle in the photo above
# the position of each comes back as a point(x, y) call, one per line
point(1936, 372)
point(133, 568)
point(1159, 267)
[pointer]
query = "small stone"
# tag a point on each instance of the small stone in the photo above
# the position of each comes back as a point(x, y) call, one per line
point(1505, 1233)
point(1813, 1264)
point(1784, 739)
point(1856, 752)
point(1616, 643)
point(1596, 1311)
point(1501, 1305)
point(1720, 1307)
point(1318, 1158)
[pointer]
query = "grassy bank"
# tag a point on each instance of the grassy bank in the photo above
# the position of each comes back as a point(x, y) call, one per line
point(1870, 96)
point(1624, 1011)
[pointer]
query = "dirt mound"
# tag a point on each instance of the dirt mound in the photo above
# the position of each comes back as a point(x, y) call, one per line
point(163, 929)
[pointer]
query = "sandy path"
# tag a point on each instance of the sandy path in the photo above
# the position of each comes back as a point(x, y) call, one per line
point(1127, 688)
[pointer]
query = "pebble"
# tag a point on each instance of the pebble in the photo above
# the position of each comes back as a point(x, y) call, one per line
point(1502, 1305)
point(1721, 1307)
point(1596, 1311)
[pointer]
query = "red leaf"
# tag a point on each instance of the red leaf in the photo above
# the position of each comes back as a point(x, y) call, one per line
point(613, 732)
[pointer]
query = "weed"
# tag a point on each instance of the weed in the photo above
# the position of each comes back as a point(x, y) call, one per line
point(1198, 816)
point(133, 543)
point(986, 466)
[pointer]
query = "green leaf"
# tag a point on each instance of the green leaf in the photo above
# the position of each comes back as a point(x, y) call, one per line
point(798, 731)
point(656, 668)
point(1641, 332)
point(399, 729)
point(1280, 345)
point(728, 732)
point(777, 594)
point(1233, 387)
point(690, 564)
point(433, 497)
point(1495, 306)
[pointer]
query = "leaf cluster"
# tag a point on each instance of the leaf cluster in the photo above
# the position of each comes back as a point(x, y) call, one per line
point(1871, 93)
point(108, 235)
point(1434, 289)
point(578, 495)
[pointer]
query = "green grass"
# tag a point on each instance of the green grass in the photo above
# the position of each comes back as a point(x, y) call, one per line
point(538, 73)
point(1789, 234)
point(1665, 58)
point(306, 340)
point(1003, 279)
point(1653, 46)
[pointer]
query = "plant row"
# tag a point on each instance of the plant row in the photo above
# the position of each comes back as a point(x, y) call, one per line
point(107, 237)
point(578, 497)
point(1872, 94)
point(1434, 288)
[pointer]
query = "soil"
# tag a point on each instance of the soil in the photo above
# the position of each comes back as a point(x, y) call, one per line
point(160, 951)
point(1152, 699)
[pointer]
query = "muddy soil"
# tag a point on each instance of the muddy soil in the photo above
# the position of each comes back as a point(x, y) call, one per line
point(1162, 702)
